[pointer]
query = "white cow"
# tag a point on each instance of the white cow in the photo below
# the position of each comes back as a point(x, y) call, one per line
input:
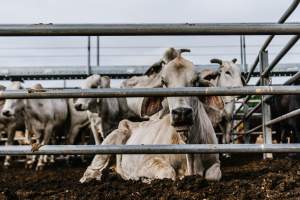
point(227, 75)
point(110, 110)
point(45, 119)
point(10, 126)
point(187, 123)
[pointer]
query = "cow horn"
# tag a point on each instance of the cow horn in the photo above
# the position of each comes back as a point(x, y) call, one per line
point(234, 60)
point(179, 51)
point(216, 60)
point(183, 50)
point(155, 68)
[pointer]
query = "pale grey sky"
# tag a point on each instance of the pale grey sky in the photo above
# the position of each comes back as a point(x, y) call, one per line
point(27, 51)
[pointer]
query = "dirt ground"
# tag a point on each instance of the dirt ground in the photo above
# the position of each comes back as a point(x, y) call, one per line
point(244, 177)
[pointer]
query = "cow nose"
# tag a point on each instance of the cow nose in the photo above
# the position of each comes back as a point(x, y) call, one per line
point(78, 106)
point(6, 113)
point(182, 116)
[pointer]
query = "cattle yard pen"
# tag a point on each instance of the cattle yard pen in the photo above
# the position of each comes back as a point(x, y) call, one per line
point(272, 29)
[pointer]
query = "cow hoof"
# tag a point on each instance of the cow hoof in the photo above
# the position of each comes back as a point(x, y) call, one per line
point(35, 147)
point(28, 165)
point(214, 173)
point(89, 175)
point(6, 165)
point(39, 167)
point(226, 155)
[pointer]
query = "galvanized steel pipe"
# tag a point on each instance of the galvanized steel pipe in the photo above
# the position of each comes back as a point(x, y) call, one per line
point(150, 149)
point(148, 92)
point(149, 29)
point(282, 19)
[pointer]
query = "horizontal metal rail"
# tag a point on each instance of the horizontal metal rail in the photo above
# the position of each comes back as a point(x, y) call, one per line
point(276, 120)
point(282, 19)
point(149, 29)
point(115, 72)
point(148, 92)
point(150, 149)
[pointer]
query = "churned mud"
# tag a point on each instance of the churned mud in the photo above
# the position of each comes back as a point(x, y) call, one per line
point(244, 177)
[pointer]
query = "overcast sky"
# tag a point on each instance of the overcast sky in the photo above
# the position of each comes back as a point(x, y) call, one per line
point(39, 51)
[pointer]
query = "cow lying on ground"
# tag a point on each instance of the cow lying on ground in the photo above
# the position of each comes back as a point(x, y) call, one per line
point(187, 123)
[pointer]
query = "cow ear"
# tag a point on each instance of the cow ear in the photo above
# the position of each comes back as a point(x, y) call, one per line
point(215, 102)
point(209, 74)
point(200, 82)
point(234, 60)
point(2, 87)
point(105, 82)
point(151, 105)
point(155, 68)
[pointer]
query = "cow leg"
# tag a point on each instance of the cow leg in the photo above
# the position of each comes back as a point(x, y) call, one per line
point(156, 168)
point(73, 134)
point(194, 165)
point(100, 162)
point(46, 140)
point(96, 134)
point(228, 130)
point(213, 173)
point(96, 129)
point(11, 131)
point(227, 137)
point(30, 159)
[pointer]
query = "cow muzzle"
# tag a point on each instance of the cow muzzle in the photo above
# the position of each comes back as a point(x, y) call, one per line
point(79, 107)
point(7, 113)
point(182, 116)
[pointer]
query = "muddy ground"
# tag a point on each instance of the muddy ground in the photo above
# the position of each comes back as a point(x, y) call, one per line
point(244, 177)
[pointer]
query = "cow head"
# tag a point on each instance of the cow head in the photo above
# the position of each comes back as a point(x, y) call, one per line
point(180, 73)
point(13, 106)
point(93, 81)
point(229, 73)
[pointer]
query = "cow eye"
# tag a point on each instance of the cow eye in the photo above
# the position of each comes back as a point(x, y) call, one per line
point(164, 82)
point(195, 81)
point(228, 73)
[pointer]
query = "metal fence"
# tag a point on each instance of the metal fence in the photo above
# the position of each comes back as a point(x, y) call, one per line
point(264, 79)
point(168, 29)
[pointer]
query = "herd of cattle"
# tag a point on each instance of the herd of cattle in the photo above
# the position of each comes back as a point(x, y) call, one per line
point(143, 120)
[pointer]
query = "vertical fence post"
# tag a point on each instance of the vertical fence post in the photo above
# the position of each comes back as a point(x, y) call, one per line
point(246, 125)
point(243, 53)
point(89, 56)
point(244, 69)
point(98, 51)
point(266, 111)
